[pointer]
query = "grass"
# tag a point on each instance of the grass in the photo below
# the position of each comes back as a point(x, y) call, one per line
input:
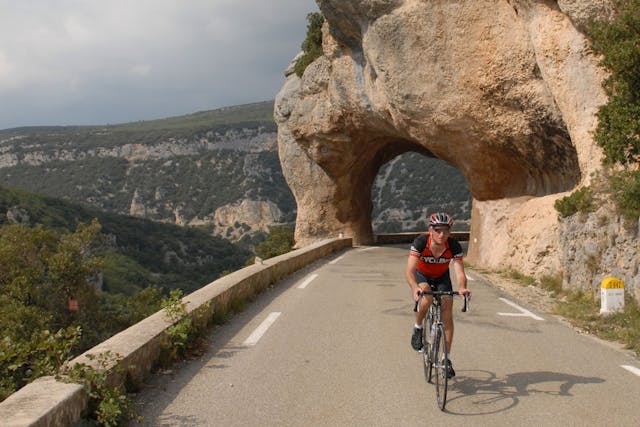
point(582, 310)
point(519, 277)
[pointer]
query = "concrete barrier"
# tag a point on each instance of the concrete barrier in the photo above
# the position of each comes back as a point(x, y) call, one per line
point(48, 402)
point(393, 238)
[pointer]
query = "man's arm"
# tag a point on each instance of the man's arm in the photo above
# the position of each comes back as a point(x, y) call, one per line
point(412, 264)
point(461, 277)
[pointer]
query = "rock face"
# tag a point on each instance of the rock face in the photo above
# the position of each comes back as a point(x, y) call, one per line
point(180, 175)
point(233, 220)
point(505, 91)
point(599, 245)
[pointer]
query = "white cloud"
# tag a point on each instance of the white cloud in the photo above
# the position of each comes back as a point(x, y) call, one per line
point(92, 61)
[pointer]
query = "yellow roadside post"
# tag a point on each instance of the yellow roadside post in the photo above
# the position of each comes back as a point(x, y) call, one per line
point(611, 295)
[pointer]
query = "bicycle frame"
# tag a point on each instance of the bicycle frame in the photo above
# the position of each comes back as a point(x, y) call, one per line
point(435, 354)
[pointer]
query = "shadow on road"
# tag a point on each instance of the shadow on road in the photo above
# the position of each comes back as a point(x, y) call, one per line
point(482, 392)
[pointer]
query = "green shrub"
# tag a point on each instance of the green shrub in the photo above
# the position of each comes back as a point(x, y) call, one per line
point(280, 241)
point(552, 284)
point(23, 360)
point(182, 332)
point(519, 277)
point(581, 200)
point(312, 46)
point(108, 405)
point(625, 187)
point(618, 131)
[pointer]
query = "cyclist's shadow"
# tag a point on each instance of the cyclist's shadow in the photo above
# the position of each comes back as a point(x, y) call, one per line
point(482, 392)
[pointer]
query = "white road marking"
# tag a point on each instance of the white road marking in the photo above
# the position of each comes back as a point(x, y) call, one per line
point(632, 369)
point(307, 281)
point(368, 248)
point(523, 312)
point(260, 330)
point(337, 259)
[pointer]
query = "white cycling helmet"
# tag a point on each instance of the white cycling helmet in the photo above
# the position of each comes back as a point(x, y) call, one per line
point(440, 218)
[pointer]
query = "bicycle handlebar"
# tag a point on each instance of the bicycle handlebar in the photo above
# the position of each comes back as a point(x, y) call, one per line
point(465, 307)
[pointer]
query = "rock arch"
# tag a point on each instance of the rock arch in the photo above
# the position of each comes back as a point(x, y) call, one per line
point(505, 91)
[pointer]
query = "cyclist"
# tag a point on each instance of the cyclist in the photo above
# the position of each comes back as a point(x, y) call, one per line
point(428, 265)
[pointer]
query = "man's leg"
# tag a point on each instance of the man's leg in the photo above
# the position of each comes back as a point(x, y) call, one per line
point(447, 319)
point(423, 306)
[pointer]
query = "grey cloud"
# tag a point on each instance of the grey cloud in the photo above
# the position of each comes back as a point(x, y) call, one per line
point(94, 62)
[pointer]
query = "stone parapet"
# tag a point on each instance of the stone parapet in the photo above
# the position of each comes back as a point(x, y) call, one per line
point(393, 238)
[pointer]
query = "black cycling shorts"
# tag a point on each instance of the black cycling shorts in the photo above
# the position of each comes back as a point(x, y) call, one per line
point(442, 283)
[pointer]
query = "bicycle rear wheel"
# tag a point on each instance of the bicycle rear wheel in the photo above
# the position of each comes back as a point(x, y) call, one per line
point(441, 362)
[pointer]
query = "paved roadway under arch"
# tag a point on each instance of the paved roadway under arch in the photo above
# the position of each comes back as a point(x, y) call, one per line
point(329, 346)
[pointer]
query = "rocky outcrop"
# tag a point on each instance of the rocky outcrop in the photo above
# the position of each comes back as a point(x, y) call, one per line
point(233, 221)
point(505, 91)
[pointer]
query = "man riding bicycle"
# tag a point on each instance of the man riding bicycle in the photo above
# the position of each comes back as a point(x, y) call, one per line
point(428, 265)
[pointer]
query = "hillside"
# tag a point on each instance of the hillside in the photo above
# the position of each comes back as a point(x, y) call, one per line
point(218, 169)
point(141, 252)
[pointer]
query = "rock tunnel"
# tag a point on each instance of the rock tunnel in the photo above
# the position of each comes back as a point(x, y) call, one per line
point(504, 91)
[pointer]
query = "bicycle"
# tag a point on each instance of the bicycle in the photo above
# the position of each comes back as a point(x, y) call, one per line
point(434, 350)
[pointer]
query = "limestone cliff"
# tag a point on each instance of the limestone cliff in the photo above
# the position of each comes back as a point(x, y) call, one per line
point(505, 91)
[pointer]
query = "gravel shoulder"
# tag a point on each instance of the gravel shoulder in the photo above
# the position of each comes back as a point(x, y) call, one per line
point(533, 296)
point(541, 300)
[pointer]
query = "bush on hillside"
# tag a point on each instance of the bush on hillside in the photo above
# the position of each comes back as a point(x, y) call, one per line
point(280, 241)
point(579, 201)
point(312, 45)
point(618, 131)
point(41, 273)
point(626, 193)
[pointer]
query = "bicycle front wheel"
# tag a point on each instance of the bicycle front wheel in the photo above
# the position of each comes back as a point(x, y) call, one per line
point(441, 362)
point(427, 350)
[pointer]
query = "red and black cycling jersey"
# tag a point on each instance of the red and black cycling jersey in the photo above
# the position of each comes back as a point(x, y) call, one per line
point(428, 264)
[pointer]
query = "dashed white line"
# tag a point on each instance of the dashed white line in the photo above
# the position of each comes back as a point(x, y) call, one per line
point(337, 259)
point(260, 330)
point(523, 312)
point(632, 369)
point(307, 281)
point(368, 248)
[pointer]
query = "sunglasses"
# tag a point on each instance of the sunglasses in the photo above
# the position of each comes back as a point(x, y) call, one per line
point(441, 230)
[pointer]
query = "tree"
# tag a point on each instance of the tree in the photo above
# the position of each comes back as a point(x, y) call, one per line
point(280, 241)
point(618, 131)
point(39, 272)
point(312, 45)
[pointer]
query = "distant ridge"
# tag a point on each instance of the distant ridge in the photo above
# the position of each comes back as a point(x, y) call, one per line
point(165, 255)
point(218, 169)
point(253, 112)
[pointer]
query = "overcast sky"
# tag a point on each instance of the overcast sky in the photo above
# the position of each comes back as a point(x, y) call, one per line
point(76, 62)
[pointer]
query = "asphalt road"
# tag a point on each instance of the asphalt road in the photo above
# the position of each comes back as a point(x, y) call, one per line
point(329, 346)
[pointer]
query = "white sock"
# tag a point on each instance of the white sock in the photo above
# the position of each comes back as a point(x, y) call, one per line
point(417, 326)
